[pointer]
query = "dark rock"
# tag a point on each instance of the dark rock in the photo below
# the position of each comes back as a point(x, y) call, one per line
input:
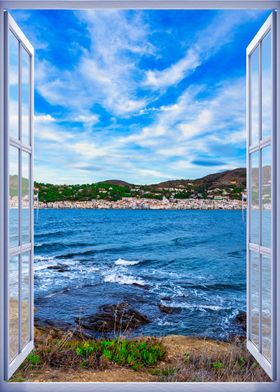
point(142, 286)
point(241, 319)
point(46, 323)
point(166, 298)
point(118, 318)
point(59, 267)
point(169, 309)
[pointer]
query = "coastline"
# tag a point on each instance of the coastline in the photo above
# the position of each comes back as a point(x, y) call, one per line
point(148, 204)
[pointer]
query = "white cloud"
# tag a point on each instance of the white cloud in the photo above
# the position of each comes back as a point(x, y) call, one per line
point(44, 118)
point(52, 134)
point(201, 123)
point(193, 126)
point(205, 44)
point(152, 173)
point(107, 73)
point(90, 118)
point(174, 74)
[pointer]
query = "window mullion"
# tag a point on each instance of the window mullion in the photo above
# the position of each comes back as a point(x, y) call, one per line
point(20, 201)
point(260, 198)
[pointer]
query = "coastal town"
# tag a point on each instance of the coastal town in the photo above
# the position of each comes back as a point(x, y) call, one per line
point(218, 191)
point(220, 203)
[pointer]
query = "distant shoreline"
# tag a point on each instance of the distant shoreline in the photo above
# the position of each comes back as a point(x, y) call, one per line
point(148, 204)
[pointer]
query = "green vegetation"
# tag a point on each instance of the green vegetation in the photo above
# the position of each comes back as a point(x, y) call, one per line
point(228, 184)
point(64, 351)
point(83, 192)
point(33, 359)
point(123, 352)
point(70, 356)
point(217, 365)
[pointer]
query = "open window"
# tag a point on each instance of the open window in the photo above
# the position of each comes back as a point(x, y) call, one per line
point(19, 196)
point(261, 154)
point(261, 259)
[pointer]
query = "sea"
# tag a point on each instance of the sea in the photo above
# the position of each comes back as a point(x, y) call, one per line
point(191, 260)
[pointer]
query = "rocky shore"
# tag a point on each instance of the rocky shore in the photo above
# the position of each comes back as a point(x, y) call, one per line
point(65, 353)
point(115, 320)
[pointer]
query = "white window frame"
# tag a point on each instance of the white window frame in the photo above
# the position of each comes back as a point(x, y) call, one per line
point(139, 4)
point(258, 147)
point(21, 248)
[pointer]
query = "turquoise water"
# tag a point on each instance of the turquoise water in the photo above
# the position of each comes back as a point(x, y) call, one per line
point(194, 260)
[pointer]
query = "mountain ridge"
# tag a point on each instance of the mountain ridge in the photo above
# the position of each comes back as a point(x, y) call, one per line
point(238, 174)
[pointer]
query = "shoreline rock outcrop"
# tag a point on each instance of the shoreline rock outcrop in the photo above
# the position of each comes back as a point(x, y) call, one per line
point(118, 318)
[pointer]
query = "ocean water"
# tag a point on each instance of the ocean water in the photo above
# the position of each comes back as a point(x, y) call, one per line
point(194, 260)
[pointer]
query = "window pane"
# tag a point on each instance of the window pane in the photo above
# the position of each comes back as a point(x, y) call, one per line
point(255, 286)
point(25, 97)
point(13, 197)
point(13, 308)
point(25, 197)
point(266, 306)
point(255, 97)
point(25, 295)
point(13, 86)
point(255, 209)
point(266, 197)
point(266, 87)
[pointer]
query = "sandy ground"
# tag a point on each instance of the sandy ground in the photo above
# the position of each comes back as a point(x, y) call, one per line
point(14, 326)
point(176, 347)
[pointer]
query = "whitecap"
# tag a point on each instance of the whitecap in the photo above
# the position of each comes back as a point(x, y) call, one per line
point(122, 279)
point(124, 262)
point(202, 307)
point(39, 259)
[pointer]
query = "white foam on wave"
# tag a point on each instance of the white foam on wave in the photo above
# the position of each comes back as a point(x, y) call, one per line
point(124, 262)
point(92, 269)
point(39, 259)
point(42, 263)
point(122, 279)
point(201, 307)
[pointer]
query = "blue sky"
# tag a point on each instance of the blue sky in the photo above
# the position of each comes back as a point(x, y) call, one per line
point(142, 96)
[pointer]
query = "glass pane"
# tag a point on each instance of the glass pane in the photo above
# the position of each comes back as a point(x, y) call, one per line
point(25, 197)
point(13, 197)
point(25, 295)
point(13, 86)
point(255, 286)
point(13, 308)
point(25, 97)
point(266, 87)
point(255, 97)
point(266, 197)
point(255, 208)
point(266, 307)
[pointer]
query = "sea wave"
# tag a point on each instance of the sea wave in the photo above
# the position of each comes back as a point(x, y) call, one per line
point(124, 279)
point(197, 306)
point(124, 262)
point(42, 263)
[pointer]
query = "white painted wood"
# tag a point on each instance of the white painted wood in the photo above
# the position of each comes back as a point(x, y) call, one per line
point(21, 248)
point(258, 249)
point(144, 4)
point(140, 4)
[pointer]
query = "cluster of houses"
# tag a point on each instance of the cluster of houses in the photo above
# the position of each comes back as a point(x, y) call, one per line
point(14, 201)
point(152, 204)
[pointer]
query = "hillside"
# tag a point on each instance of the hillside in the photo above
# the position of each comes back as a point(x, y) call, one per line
point(211, 181)
point(229, 183)
point(14, 185)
